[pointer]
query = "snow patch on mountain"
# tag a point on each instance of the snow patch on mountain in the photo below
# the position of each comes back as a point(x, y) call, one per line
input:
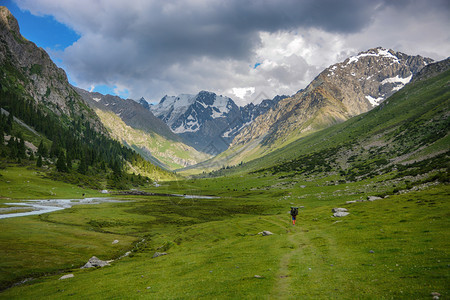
point(374, 101)
point(397, 79)
point(378, 52)
point(187, 113)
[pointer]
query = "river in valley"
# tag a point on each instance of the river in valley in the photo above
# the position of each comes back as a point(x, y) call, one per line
point(37, 207)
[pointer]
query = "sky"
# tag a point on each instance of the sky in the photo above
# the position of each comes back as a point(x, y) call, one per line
point(248, 50)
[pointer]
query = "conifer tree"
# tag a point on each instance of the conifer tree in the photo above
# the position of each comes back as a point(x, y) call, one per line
point(12, 145)
point(54, 149)
point(61, 163)
point(42, 150)
point(21, 148)
point(82, 167)
point(9, 123)
point(68, 161)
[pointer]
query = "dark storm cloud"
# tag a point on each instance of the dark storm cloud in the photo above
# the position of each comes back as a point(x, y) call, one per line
point(177, 30)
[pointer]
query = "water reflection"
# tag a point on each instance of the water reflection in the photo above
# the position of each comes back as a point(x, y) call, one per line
point(49, 205)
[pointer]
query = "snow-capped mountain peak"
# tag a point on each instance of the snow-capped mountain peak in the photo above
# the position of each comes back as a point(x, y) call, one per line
point(187, 113)
point(377, 73)
point(376, 52)
point(207, 121)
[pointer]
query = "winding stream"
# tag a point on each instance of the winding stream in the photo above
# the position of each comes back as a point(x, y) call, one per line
point(49, 205)
point(45, 206)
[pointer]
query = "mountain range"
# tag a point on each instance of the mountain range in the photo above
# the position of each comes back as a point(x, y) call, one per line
point(405, 138)
point(185, 131)
point(136, 127)
point(341, 91)
point(206, 121)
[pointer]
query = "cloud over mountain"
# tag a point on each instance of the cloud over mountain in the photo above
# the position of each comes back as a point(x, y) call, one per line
point(158, 47)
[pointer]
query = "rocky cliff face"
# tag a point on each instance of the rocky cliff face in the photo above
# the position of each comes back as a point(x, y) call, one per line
point(341, 91)
point(29, 69)
point(206, 121)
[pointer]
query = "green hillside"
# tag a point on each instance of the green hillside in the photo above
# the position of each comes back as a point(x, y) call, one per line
point(407, 132)
point(154, 147)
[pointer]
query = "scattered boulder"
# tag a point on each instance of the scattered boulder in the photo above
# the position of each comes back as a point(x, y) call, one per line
point(265, 232)
point(341, 214)
point(350, 202)
point(94, 262)
point(157, 254)
point(66, 276)
point(435, 295)
point(373, 198)
point(258, 276)
point(115, 242)
point(339, 209)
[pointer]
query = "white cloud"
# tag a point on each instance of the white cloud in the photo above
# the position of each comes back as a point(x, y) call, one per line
point(243, 92)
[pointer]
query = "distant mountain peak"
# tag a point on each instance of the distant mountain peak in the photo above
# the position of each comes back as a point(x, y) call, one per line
point(144, 103)
point(207, 121)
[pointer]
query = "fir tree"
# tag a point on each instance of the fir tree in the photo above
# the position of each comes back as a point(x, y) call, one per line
point(42, 150)
point(21, 148)
point(61, 163)
point(82, 167)
point(55, 149)
point(9, 123)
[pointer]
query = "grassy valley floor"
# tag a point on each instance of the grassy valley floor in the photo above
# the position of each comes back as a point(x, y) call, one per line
point(389, 248)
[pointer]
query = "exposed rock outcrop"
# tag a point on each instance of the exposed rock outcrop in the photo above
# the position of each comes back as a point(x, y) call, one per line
point(95, 262)
point(28, 68)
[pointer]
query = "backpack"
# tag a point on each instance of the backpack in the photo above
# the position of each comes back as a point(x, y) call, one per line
point(294, 211)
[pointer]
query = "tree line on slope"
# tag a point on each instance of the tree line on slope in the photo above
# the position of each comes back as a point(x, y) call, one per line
point(68, 146)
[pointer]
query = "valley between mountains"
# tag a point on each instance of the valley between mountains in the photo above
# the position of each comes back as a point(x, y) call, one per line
point(189, 198)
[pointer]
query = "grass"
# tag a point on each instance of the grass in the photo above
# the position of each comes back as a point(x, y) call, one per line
point(28, 183)
point(392, 248)
point(214, 250)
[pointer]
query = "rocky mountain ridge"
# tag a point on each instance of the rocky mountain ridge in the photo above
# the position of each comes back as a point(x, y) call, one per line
point(142, 131)
point(206, 121)
point(341, 91)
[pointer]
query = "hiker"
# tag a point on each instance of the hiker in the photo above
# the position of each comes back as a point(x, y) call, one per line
point(294, 213)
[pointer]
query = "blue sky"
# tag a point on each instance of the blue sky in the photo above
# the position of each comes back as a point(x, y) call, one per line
point(44, 31)
point(153, 48)
point(54, 37)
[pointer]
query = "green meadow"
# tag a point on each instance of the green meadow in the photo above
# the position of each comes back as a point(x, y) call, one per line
point(392, 248)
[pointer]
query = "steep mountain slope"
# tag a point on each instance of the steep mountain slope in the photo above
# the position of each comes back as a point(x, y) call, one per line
point(73, 143)
point(135, 126)
point(341, 91)
point(25, 68)
point(406, 135)
point(206, 121)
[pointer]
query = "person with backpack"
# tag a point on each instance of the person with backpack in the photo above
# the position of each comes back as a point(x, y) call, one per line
point(294, 213)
